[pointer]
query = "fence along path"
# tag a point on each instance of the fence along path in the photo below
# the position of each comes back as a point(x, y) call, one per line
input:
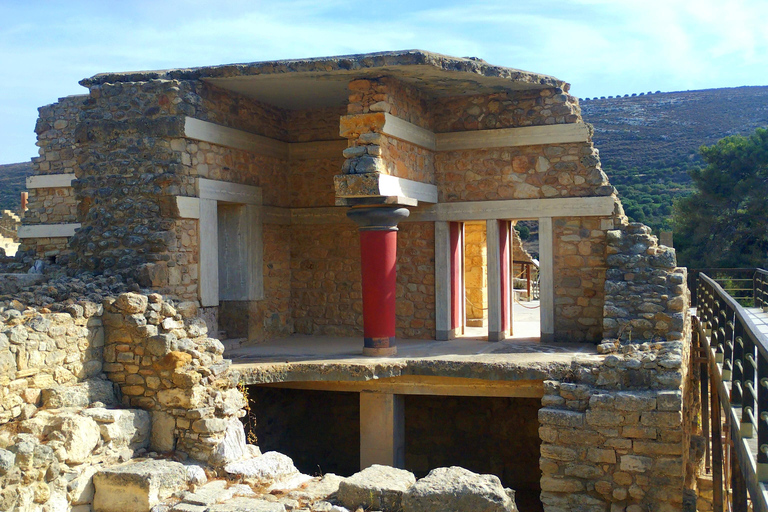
point(732, 342)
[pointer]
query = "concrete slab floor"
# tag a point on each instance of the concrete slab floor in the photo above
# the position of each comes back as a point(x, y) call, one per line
point(332, 358)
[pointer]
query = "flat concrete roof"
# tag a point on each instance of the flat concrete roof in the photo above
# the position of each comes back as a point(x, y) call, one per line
point(322, 82)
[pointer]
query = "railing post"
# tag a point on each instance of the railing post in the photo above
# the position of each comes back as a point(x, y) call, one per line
point(717, 448)
point(728, 360)
point(761, 417)
point(704, 383)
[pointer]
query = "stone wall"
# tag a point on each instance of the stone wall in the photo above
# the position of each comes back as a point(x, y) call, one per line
point(613, 433)
point(415, 280)
point(505, 110)
point(326, 291)
point(579, 277)
point(42, 350)
point(646, 297)
point(525, 172)
point(160, 356)
point(370, 151)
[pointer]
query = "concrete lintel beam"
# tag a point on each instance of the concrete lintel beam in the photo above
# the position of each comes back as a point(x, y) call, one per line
point(48, 230)
point(50, 181)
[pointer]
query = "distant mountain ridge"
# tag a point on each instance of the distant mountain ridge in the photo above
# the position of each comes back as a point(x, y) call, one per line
point(649, 142)
point(12, 182)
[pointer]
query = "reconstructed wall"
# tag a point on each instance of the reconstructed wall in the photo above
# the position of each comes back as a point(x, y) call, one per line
point(645, 293)
point(579, 267)
point(613, 434)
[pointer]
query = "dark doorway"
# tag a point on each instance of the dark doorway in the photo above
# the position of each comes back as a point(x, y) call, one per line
point(492, 435)
point(319, 430)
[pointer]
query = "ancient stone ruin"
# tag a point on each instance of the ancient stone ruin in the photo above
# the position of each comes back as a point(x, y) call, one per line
point(309, 243)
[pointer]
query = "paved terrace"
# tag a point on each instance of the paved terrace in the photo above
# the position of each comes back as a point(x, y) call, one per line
point(450, 366)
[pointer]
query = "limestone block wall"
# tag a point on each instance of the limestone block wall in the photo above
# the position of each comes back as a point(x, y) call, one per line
point(129, 176)
point(55, 129)
point(579, 277)
point(613, 433)
point(505, 110)
point(646, 297)
point(415, 280)
point(160, 356)
point(9, 225)
point(40, 350)
point(525, 172)
point(326, 291)
point(371, 151)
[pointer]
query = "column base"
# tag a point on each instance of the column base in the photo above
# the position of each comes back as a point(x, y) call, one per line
point(378, 347)
point(497, 336)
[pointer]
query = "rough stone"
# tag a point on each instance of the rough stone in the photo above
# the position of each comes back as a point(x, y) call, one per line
point(137, 486)
point(458, 489)
point(377, 487)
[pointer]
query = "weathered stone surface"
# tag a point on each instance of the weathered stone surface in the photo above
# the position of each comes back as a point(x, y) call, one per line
point(162, 438)
point(129, 427)
point(81, 435)
point(377, 487)
point(458, 489)
point(248, 505)
point(267, 468)
point(233, 447)
point(137, 486)
point(6, 461)
point(80, 395)
point(131, 303)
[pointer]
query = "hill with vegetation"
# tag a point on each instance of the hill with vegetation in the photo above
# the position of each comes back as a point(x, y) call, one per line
point(648, 142)
point(12, 182)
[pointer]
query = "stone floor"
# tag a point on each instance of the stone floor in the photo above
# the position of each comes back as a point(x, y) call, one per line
point(304, 357)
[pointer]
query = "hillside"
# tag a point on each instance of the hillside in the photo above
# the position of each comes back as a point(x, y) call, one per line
point(12, 183)
point(648, 142)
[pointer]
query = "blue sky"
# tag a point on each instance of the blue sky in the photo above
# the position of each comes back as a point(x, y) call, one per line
point(602, 47)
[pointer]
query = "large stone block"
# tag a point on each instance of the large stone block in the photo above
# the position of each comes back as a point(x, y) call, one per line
point(137, 486)
point(377, 487)
point(80, 395)
point(458, 489)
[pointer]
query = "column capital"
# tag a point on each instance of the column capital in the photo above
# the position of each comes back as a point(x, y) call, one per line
point(377, 218)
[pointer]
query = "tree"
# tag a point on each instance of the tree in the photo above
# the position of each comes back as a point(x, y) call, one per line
point(724, 222)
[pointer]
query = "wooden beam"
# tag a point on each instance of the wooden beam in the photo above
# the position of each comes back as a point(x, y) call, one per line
point(394, 186)
point(233, 138)
point(48, 230)
point(510, 137)
point(409, 132)
point(50, 181)
point(517, 209)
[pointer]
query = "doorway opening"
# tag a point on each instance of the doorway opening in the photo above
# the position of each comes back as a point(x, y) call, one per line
point(494, 280)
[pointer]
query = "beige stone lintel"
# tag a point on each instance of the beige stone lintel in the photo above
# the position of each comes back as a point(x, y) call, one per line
point(510, 137)
point(189, 207)
point(50, 181)
point(427, 385)
point(239, 139)
point(409, 132)
point(48, 230)
point(516, 209)
point(227, 192)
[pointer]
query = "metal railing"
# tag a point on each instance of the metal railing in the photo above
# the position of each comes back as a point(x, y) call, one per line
point(733, 352)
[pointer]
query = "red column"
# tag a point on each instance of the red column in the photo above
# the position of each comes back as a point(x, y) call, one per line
point(378, 253)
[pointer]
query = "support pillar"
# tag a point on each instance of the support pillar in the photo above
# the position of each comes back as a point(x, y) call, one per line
point(499, 293)
point(378, 253)
point(382, 429)
point(546, 279)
